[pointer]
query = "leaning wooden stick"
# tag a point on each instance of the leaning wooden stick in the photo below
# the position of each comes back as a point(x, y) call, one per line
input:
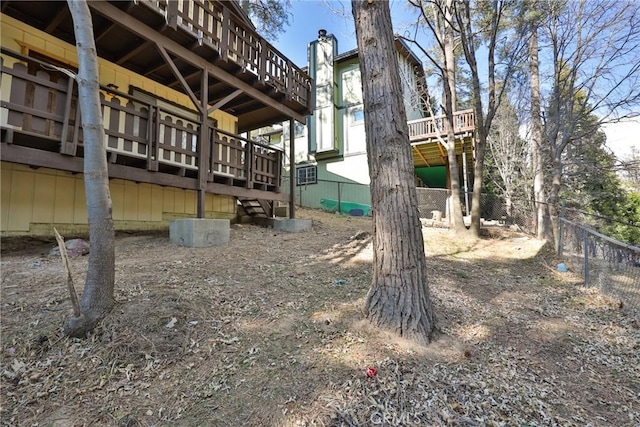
point(65, 262)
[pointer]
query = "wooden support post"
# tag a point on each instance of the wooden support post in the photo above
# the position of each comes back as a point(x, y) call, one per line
point(465, 177)
point(292, 169)
point(278, 171)
point(203, 146)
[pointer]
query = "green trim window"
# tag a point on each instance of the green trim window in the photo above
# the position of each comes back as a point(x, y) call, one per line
point(306, 175)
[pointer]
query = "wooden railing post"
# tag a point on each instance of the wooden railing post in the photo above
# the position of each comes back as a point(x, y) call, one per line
point(172, 13)
point(262, 73)
point(249, 157)
point(226, 34)
point(278, 171)
point(290, 81)
point(64, 146)
point(72, 149)
point(211, 142)
point(153, 133)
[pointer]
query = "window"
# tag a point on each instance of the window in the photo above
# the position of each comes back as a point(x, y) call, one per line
point(358, 116)
point(299, 131)
point(306, 175)
point(354, 135)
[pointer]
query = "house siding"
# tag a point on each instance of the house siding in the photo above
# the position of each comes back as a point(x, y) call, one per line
point(35, 200)
point(343, 171)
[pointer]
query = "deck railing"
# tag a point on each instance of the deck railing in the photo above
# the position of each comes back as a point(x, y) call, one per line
point(40, 103)
point(212, 24)
point(432, 127)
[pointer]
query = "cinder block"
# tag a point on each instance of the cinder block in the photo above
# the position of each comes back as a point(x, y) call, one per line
point(293, 225)
point(200, 232)
point(281, 211)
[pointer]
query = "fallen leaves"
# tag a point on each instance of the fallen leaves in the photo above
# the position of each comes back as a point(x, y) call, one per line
point(260, 332)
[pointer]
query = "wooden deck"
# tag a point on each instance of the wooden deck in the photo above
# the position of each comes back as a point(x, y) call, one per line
point(428, 138)
point(144, 142)
point(430, 128)
point(205, 49)
point(212, 24)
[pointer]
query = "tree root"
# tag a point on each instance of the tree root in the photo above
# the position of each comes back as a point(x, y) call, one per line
point(79, 326)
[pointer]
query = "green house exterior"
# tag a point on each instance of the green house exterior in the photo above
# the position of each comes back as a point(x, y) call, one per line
point(333, 141)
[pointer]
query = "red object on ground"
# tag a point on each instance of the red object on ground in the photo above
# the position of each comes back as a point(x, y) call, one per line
point(371, 371)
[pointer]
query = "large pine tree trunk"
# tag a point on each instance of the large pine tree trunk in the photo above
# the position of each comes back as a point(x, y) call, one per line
point(399, 296)
point(97, 298)
point(540, 218)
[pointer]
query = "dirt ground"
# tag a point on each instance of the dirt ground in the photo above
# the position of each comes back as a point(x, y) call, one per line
point(268, 331)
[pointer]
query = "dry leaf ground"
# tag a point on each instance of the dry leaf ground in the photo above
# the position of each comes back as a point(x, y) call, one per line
point(267, 331)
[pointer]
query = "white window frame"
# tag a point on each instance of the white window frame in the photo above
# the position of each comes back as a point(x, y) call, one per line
point(304, 177)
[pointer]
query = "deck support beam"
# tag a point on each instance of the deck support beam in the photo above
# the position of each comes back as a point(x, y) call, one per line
point(141, 30)
point(421, 156)
point(203, 147)
point(292, 169)
point(183, 82)
point(218, 105)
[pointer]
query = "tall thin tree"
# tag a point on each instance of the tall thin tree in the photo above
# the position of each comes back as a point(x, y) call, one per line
point(97, 298)
point(542, 222)
point(399, 296)
point(437, 15)
point(484, 22)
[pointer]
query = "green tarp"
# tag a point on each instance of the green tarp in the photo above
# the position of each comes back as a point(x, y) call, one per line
point(433, 177)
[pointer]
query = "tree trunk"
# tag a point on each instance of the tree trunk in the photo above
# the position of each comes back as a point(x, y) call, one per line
point(399, 296)
point(449, 80)
point(97, 298)
point(463, 16)
point(539, 198)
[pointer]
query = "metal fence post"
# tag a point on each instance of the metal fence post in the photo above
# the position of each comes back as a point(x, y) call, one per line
point(561, 229)
point(586, 258)
point(339, 201)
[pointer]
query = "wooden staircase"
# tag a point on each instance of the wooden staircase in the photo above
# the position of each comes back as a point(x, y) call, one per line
point(256, 207)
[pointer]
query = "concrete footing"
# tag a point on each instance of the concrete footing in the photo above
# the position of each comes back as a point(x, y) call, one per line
point(283, 224)
point(200, 232)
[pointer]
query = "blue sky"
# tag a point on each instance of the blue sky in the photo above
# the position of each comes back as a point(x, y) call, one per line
point(308, 16)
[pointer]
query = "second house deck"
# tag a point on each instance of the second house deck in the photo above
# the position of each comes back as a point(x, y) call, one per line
point(428, 137)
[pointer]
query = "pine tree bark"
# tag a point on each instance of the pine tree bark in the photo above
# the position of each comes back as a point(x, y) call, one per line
point(399, 296)
point(97, 298)
point(540, 217)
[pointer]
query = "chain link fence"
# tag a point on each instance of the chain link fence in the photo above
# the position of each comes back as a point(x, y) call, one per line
point(434, 205)
point(606, 263)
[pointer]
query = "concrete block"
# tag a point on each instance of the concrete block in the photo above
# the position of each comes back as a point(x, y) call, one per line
point(293, 225)
point(200, 232)
point(284, 224)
